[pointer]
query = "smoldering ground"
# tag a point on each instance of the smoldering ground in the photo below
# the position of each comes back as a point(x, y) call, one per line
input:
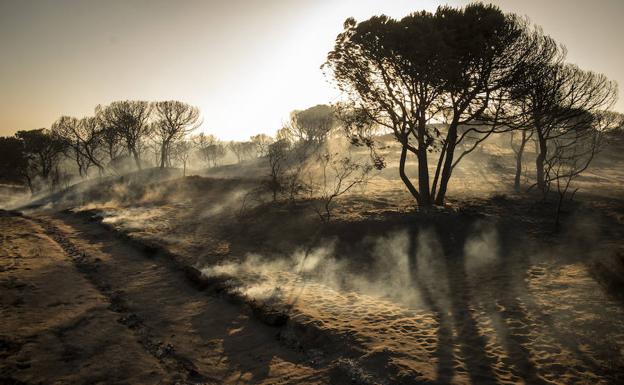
point(472, 281)
point(398, 260)
point(469, 286)
point(390, 266)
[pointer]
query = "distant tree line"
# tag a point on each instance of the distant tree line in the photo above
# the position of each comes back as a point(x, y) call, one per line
point(130, 134)
point(118, 134)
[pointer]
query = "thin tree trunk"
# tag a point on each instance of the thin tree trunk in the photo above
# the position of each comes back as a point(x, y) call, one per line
point(539, 163)
point(437, 173)
point(137, 160)
point(448, 163)
point(423, 166)
point(405, 178)
point(163, 155)
point(30, 185)
point(519, 155)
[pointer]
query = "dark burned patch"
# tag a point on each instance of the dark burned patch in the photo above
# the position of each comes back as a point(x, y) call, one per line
point(608, 270)
point(9, 346)
point(10, 213)
point(11, 381)
point(269, 312)
point(131, 320)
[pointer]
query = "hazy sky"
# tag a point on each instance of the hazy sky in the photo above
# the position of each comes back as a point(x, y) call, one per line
point(246, 64)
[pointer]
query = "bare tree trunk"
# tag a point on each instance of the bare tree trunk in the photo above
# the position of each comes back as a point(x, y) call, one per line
point(163, 155)
point(30, 184)
point(137, 160)
point(539, 162)
point(438, 168)
point(448, 163)
point(111, 151)
point(405, 178)
point(519, 155)
point(423, 166)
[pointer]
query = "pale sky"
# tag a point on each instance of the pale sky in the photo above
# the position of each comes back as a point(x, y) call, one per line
point(246, 64)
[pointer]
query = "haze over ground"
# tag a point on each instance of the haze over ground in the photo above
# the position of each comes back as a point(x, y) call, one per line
point(246, 64)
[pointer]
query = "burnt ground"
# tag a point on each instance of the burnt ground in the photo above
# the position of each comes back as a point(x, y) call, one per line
point(482, 291)
point(79, 306)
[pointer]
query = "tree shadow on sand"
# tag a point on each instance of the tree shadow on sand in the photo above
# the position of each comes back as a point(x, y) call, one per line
point(448, 289)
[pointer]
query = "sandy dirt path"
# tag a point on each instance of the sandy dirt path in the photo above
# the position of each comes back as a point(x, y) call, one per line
point(80, 306)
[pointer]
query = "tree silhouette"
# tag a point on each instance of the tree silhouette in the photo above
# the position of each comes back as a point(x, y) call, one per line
point(182, 151)
point(561, 102)
point(262, 143)
point(339, 174)
point(42, 151)
point(448, 66)
point(242, 150)
point(84, 137)
point(13, 161)
point(130, 119)
point(518, 149)
point(174, 120)
point(277, 158)
point(209, 149)
point(311, 126)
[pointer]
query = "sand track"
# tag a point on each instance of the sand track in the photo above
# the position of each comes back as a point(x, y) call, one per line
point(100, 311)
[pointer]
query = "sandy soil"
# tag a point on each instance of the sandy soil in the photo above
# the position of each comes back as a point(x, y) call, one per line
point(78, 307)
point(480, 292)
point(563, 330)
point(480, 310)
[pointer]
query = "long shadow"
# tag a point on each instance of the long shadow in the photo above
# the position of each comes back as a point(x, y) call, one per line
point(472, 345)
point(513, 295)
point(463, 295)
point(515, 334)
point(444, 347)
point(567, 338)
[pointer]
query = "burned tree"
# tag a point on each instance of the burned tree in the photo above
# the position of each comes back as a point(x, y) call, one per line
point(174, 120)
point(277, 158)
point(42, 151)
point(518, 149)
point(14, 162)
point(262, 143)
point(209, 149)
point(130, 119)
point(306, 134)
point(311, 126)
point(561, 102)
point(572, 153)
point(84, 138)
point(182, 150)
point(111, 141)
point(339, 174)
point(242, 150)
point(451, 65)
